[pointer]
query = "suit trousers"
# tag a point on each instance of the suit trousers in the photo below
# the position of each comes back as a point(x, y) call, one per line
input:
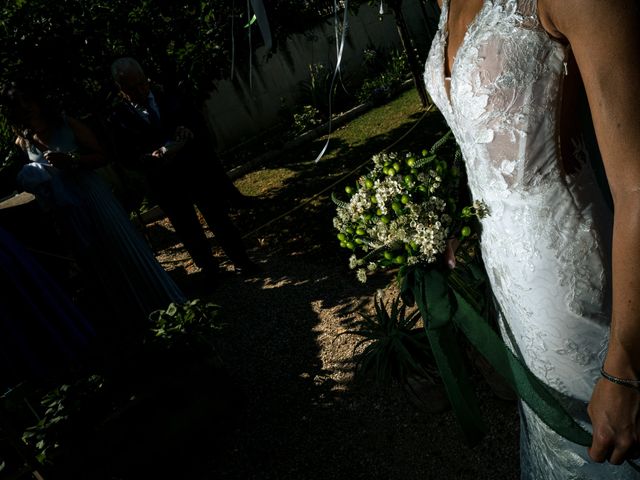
point(187, 182)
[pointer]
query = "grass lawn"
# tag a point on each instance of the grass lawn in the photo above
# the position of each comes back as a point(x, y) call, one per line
point(295, 181)
point(349, 146)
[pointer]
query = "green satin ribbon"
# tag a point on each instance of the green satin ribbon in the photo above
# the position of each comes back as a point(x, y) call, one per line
point(445, 312)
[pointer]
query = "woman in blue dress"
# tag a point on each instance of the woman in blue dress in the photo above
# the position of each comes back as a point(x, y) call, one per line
point(63, 153)
point(41, 331)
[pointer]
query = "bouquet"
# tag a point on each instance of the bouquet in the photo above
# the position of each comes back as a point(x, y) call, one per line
point(403, 211)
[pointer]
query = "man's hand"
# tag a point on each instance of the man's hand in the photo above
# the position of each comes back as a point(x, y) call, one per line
point(159, 153)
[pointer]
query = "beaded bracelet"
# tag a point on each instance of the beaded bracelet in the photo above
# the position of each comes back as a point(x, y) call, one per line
point(635, 384)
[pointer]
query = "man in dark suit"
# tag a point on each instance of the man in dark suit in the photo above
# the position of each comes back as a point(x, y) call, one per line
point(156, 134)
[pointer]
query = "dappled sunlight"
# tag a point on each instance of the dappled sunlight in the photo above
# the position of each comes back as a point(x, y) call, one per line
point(263, 182)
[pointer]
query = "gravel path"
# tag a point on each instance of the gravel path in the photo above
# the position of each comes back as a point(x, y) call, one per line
point(304, 415)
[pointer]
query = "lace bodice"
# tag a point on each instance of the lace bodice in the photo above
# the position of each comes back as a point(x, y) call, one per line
point(504, 91)
point(546, 240)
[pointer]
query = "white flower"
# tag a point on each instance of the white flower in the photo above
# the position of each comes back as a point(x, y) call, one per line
point(480, 209)
point(361, 274)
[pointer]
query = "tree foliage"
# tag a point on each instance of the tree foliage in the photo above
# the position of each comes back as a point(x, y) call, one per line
point(66, 47)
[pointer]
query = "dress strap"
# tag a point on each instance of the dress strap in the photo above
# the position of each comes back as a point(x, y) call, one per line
point(444, 14)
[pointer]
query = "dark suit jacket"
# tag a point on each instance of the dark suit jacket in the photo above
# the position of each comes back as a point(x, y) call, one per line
point(135, 138)
point(194, 171)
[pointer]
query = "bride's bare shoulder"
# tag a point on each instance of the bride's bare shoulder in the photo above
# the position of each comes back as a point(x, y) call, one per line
point(562, 17)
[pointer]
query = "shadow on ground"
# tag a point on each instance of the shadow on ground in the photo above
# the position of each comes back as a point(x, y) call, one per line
point(304, 415)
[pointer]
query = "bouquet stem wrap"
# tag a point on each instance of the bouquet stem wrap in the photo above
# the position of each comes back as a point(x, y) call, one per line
point(446, 309)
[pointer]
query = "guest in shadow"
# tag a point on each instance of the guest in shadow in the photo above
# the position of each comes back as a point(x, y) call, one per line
point(156, 134)
point(62, 155)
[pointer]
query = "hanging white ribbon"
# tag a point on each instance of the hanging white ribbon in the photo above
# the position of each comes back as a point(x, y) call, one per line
point(340, 51)
point(263, 22)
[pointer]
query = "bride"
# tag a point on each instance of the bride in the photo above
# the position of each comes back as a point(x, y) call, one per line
point(564, 269)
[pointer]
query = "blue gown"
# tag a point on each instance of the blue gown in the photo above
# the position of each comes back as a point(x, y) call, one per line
point(40, 329)
point(107, 245)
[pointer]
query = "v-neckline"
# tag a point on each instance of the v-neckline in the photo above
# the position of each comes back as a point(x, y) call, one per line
point(445, 45)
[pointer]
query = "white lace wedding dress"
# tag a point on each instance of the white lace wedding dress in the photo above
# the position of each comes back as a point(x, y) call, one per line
point(546, 241)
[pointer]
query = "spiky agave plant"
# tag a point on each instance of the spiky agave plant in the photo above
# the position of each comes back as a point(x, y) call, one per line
point(395, 347)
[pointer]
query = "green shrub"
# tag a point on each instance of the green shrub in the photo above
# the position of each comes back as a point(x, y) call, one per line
point(387, 79)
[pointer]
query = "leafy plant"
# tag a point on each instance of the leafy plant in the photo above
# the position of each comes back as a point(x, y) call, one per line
point(389, 70)
point(67, 408)
point(305, 119)
point(187, 323)
point(395, 347)
point(315, 90)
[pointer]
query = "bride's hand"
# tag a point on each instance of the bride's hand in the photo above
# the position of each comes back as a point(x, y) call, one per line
point(450, 252)
point(615, 414)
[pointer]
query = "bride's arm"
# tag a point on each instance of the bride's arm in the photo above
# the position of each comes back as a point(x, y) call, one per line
point(605, 38)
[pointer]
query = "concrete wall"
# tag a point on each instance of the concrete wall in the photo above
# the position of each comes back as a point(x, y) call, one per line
point(236, 112)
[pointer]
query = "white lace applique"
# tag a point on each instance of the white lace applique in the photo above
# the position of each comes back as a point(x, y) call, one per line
point(546, 242)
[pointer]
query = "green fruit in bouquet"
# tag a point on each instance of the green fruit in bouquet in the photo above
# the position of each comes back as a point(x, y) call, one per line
point(388, 255)
point(349, 230)
point(390, 171)
point(342, 237)
point(466, 212)
point(373, 199)
point(343, 244)
point(378, 212)
point(425, 152)
point(411, 162)
point(465, 232)
point(349, 189)
point(414, 171)
point(351, 245)
point(408, 179)
point(384, 219)
point(367, 217)
point(400, 260)
point(368, 183)
point(396, 207)
point(360, 231)
point(359, 241)
point(423, 188)
point(405, 199)
point(397, 167)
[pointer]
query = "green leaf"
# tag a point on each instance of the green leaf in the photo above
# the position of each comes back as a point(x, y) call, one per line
point(252, 21)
